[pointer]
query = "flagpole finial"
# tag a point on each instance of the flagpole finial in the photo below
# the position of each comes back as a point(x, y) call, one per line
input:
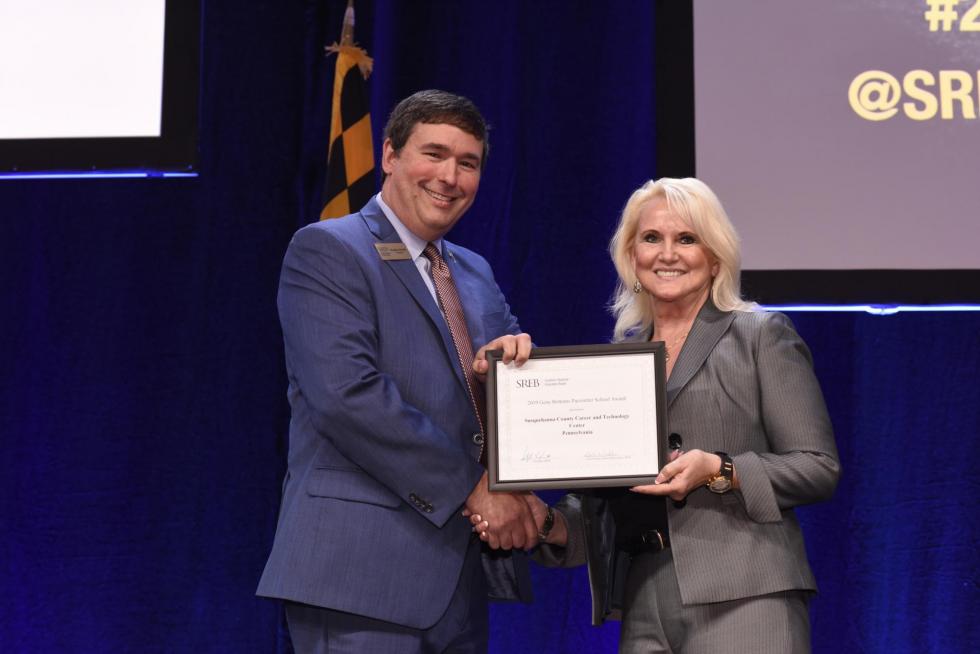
point(347, 32)
point(346, 45)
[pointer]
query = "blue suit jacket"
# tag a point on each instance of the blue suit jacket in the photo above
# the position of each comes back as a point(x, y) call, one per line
point(382, 453)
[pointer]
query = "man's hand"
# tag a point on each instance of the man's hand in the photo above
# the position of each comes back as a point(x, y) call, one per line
point(507, 513)
point(516, 349)
point(539, 511)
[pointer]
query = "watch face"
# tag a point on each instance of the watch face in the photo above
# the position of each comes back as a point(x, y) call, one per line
point(719, 485)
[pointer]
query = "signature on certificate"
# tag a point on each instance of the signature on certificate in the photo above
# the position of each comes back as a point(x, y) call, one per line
point(605, 455)
point(536, 456)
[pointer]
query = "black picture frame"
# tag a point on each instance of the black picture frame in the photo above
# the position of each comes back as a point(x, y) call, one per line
point(654, 349)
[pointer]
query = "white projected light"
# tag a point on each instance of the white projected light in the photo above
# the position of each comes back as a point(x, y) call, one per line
point(72, 69)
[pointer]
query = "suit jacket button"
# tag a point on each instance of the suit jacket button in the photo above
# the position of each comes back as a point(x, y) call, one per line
point(674, 441)
point(478, 438)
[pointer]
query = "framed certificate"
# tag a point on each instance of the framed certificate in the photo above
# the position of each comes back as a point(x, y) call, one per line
point(577, 417)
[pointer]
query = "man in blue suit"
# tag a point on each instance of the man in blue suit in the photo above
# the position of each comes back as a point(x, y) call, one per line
point(372, 552)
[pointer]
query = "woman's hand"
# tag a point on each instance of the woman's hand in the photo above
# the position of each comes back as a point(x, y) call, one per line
point(686, 472)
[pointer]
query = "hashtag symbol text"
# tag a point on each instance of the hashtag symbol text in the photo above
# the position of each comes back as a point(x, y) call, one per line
point(941, 12)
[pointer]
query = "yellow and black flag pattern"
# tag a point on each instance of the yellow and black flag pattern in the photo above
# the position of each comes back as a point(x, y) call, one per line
point(350, 181)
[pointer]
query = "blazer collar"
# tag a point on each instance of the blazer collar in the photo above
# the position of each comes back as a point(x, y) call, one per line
point(377, 222)
point(708, 328)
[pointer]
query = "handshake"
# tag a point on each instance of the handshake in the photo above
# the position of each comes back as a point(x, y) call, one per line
point(511, 520)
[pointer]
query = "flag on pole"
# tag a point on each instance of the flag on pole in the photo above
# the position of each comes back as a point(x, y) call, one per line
point(350, 179)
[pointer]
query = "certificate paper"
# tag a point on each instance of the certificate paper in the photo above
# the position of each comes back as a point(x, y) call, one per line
point(577, 417)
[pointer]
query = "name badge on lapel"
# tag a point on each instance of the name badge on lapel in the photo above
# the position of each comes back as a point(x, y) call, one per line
point(392, 251)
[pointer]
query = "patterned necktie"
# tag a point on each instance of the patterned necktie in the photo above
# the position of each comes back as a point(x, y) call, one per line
point(453, 312)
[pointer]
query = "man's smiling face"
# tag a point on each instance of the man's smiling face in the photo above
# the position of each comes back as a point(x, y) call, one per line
point(433, 179)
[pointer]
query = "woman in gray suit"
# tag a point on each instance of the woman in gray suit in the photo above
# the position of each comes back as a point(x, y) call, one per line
point(710, 558)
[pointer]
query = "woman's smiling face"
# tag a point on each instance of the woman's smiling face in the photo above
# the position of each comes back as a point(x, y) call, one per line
point(668, 258)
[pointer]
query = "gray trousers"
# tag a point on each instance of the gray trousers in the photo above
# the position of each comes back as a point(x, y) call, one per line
point(655, 621)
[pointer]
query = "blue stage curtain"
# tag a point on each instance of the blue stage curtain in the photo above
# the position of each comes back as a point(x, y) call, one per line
point(142, 389)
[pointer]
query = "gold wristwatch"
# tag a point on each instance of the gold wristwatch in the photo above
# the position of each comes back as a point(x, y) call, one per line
point(722, 481)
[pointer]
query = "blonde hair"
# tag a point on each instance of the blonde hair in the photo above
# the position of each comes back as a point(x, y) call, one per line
point(699, 207)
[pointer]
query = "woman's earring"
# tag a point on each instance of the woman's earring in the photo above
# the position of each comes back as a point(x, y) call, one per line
point(636, 286)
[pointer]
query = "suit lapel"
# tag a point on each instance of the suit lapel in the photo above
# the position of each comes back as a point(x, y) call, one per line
point(377, 223)
point(709, 326)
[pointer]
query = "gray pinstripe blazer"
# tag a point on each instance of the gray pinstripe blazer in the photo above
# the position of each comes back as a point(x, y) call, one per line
point(742, 384)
